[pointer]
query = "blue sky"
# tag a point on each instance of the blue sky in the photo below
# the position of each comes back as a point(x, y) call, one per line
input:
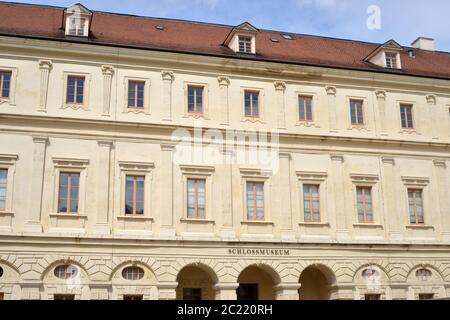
point(402, 20)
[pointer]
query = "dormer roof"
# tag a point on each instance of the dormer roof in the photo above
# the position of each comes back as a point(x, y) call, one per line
point(390, 45)
point(78, 7)
point(245, 27)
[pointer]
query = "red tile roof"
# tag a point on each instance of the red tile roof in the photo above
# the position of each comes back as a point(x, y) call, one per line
point(192, 37)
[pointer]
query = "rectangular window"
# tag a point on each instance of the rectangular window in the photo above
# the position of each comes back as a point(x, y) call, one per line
point(5, 83)
point(133, 297)
point(69, 184)
point(255, 201)
point(251, 103)
point(415, 204)
point(372, 297)
point(426, 296)
point(406, 116)
point(3, 183)
point(311, 202)
point(136, 94)
point(245, 44)
point(195, 99)
point(391, 60)
point(64, 297)
point(75, 90)
point(192, 294)
point(356, 112)
point(196, 198)
point(134, 195)
point(305, 108)
point(364, 203)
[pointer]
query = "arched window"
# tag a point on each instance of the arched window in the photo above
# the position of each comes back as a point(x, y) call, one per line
point(1, 272)
point(423, 274)
point(133, 273)
point(66, 271)
point(370, 274)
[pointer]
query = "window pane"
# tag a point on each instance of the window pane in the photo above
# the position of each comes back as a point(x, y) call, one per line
point(309, 109)
point(255, 104)
point(129, 194)
point(352, 112)
point(248, 111)
point(3, 177)
point(301, 108)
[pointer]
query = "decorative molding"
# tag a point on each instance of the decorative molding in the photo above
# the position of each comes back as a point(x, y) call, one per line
point(331, 90)
point(223, 81)
point(311, 175)
point(136, 166)
point(167, 75)
point(337, 157)
point(40, 139)
point(388, 160)
point(108, 72)
point(441, 163)
point(280, 85)
point(168, 147)
point(8, 159)
point(416, 181)
point(197, 170)
point(364, 178)
point(70, 162)
point(286, 155)
point(255, 173)
point(45, 66)
point(380, 94)
point(105, 143)
point(431, 99)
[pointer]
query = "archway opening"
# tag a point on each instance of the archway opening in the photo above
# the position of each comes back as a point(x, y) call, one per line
point(315, 284)
point(194, 283)
point(255, 284)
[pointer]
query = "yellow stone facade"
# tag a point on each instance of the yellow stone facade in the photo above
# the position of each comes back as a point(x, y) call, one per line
point(41, 136)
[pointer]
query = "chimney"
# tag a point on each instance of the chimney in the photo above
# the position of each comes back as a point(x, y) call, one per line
point(424, 43)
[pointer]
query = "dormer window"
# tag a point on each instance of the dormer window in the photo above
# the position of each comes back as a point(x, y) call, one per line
point(242, 39)
point(245, 44)
point(391, 60)
point(386, 55)
point(77, 21)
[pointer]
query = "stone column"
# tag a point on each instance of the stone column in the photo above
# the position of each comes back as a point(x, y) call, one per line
point(433, 115)
point(102, 225)
point(224, 83)
point(166, 192)
point(108, 72)
point(443, 194)
point(381, 100)
point(284, 197)
point(288, 291)
point(227, 196)
point(168, 78)
point(33, 223)
point(226, 291)
point(390, 196)
point(339, 186)
point(167, 290)
point(45, 66)
point(280, 88)
point(331, 93)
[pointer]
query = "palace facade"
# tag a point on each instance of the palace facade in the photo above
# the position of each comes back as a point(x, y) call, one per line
point(96, 203)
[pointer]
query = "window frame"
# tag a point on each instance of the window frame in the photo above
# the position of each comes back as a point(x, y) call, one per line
point(392, 57)
point(195, 87)
point(86, 91)
point(247, 41)
point(75, 94)
point(416, 183)
point(262, 176)
point(2, 80)
point(147, 87)
point(311, 97)
point(311, 202)
point(313, 178)
point(11, 99)
point(411, 107)
point(363, 115)
point(370, 190)
point(254, 216)
point(259, 105)
point(368, 181)
point(130, 168)
point(69, 191)
point(136, 91)
point(416, 217)
point(70, 165)
point(8, 163)
point(134, 213)
point(196, 198)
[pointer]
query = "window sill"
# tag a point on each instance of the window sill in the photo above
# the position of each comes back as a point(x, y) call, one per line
point(136, 110)
point(409, 131)
point(6, 101)
point(199, 221)
point(134, 217)
point(196, 116)
point(75, 107)
point(252, 120)
point(258, 222)
point(308, 124)
point(314, 224)
point(68, 215)
point(419, 227)
point(368, 225)
point(359, 128)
